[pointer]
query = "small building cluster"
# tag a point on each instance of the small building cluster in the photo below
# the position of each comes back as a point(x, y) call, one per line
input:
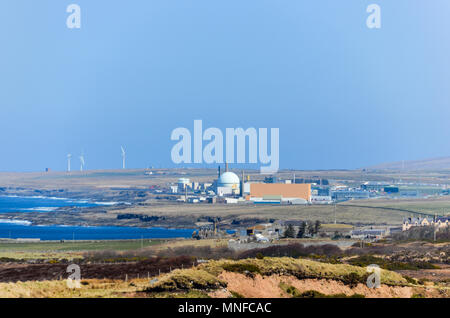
point(439, 222)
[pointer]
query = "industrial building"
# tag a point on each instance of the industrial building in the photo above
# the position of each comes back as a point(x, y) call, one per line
point(344, 195)
point(281, 192)
point(183, 183)
point(227, 183)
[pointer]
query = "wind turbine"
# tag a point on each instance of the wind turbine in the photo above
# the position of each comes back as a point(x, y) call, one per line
point(123, 157)
point(69, 156)
point(82, 162)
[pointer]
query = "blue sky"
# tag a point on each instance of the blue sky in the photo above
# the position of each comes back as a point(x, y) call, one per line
point(342, 95)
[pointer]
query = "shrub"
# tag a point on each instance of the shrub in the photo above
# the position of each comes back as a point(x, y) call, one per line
point(352, 279)
point(316, 294)
point(241, 268)
point(236, 294)
point(205, 252)
point(292, 250)
point(186, 279)
point(365, 260)
point(410, 279)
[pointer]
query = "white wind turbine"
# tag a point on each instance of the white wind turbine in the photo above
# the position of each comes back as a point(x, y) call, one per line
point(82, 162)
point(69, 156)
point(123, 157)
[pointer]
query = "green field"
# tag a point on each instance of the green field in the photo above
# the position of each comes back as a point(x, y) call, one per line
point(431, 206)
point(68, 250)
point(75, 246)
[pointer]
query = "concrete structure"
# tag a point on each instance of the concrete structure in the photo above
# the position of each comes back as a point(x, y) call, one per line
point(284, 191)
point(183, 183)
point(174, 189)
point(343, 195)
point(297, 201)
point(205, 186)
point(228, 180)
point(221, 191)
point(231, 200)
point(374, 186)
point(228, 184)
point(321, 199)
point(246, 188)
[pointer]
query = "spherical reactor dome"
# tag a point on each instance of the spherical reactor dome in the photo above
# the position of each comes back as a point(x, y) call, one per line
point(228, 179)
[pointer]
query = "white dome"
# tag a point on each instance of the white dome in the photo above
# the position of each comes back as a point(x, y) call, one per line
point(228, 179)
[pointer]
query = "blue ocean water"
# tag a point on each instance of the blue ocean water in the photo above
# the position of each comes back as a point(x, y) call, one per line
point(10, 204)
point(58, 232)
point(24, 229)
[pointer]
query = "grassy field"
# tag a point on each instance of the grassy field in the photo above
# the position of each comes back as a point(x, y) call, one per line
point(69, 250)
point(59, 289)
point(430, 206)
point(80, 246)
point(325, 213)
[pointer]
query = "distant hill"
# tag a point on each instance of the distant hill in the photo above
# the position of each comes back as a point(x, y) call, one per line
point(414, 165)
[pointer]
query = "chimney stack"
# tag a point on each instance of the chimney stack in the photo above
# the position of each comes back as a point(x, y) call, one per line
point(242, 185)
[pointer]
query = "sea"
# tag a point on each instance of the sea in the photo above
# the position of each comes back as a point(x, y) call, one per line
point(24, 229)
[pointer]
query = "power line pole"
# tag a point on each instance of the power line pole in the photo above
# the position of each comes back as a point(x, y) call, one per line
point(335, 213)
point(434, 227)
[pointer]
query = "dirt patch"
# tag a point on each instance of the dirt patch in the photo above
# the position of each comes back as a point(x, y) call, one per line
point(268, 287)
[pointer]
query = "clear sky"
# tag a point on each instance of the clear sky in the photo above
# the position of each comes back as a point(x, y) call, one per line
point(342, 95)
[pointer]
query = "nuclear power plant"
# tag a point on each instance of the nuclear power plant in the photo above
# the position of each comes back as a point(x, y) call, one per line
point(229, 188)
point(227, 183)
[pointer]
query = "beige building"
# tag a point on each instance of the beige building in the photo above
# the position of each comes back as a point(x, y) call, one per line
point(283, 191)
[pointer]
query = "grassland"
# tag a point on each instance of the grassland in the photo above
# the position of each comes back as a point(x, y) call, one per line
point(116, 245)
point(202, 278)
point(58, 289)
point(246, 214)
point(205, 276)
point(69, 250)
point(249, 277)
point(428, 206)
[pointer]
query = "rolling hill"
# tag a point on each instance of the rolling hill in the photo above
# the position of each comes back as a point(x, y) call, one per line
point(435, 164)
